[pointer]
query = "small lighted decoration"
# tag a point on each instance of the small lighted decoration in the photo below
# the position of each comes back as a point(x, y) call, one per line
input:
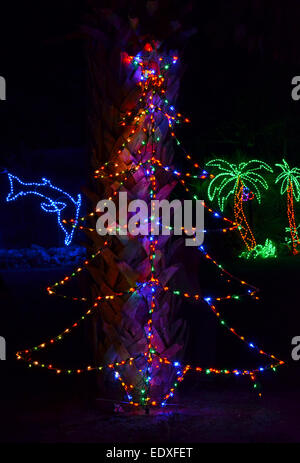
point(232, 179)
point(288, 238)
point(54, 200)
point(262, 251)
point(247, 194)
point(290, 185)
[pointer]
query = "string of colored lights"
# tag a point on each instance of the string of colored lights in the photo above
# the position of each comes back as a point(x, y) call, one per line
point(52, 289)
point(208, 300)
point(223, 270)
point(152, 255)
point(70, 371)
point(225, 371)
point(61, 335)
point(154, 282)
point(123, 383)
point(251, 373)
point(89, 368)
point(153, 160)
point(170, 227)
point(89, 312)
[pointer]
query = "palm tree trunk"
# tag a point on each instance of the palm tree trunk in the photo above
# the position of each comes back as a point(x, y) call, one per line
point(240, 217)
point(291, 217)
point(121, 326)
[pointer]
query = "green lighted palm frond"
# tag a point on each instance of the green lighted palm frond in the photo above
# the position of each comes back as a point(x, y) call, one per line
point(223, 185)
point(288, 176)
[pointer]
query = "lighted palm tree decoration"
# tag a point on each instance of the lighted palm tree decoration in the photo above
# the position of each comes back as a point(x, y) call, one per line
point(233, 179)
point(290, 185)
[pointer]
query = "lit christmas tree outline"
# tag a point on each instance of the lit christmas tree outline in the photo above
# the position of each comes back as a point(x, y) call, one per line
point(149, 288)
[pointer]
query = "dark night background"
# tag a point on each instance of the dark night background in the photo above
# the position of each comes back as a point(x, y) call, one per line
point(237, 92)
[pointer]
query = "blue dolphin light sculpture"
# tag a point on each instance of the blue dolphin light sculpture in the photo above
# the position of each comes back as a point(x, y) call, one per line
point(54, 200)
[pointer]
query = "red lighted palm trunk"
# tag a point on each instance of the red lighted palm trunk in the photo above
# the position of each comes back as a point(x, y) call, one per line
point(291, 218)
point(240, 217)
